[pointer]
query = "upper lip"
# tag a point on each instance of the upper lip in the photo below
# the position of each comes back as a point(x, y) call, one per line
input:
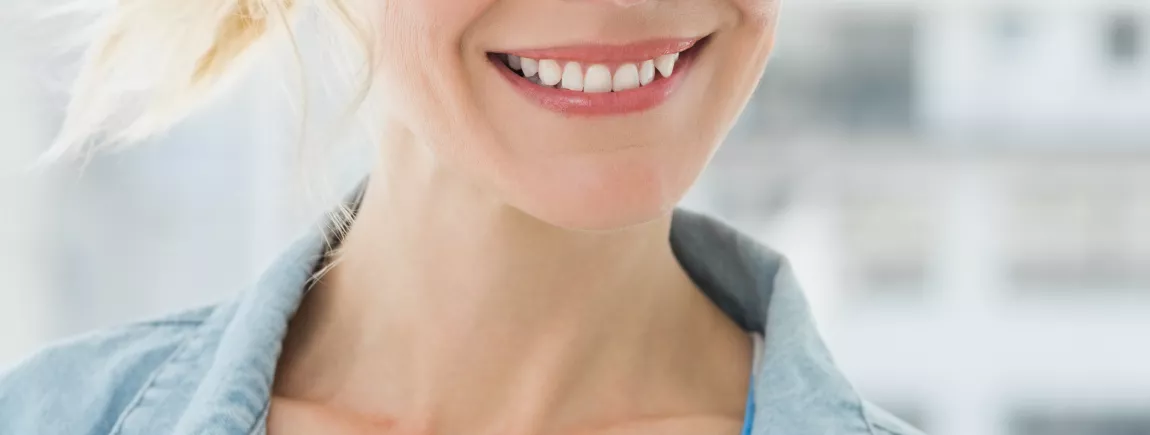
point(609, 53)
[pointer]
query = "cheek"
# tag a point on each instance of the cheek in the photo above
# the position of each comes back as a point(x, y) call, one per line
point(415, 41)
point(419, 59)
point(752, 44)
point(425, 21)
point(761, 13)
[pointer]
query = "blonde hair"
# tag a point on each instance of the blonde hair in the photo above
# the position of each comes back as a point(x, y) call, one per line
point(153, 62)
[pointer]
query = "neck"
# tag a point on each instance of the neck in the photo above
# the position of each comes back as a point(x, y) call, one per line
point(474, 314)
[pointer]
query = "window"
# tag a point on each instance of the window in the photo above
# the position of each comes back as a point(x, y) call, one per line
point(851, 70)
point(873, 84)
point(1011, 29)
point(1124, 38)
point(886, 229)
point(1079, 231)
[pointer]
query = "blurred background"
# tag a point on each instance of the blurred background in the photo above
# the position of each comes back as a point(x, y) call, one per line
point(963, 187)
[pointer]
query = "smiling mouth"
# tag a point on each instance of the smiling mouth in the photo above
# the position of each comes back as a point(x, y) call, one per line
point(599, 80)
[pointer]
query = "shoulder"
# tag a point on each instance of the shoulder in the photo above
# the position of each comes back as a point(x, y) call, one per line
point(81, 385)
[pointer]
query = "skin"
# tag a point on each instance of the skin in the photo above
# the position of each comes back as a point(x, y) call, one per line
point(509, 271)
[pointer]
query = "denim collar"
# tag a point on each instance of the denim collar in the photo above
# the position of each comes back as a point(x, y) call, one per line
point(220, 382)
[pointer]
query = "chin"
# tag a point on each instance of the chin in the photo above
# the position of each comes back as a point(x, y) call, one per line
point(598, 194)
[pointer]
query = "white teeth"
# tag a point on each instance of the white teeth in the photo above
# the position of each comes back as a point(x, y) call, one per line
point(646, 73)
point(573, 77)
point(530, 66)
point(598, 79)
point(549, 72)
point(627, 77)
point(666, 64)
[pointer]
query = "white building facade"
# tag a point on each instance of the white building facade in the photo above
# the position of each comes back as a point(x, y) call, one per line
point(964, 188)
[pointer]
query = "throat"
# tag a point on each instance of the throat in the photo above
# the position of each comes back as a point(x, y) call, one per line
point(528, 371)
point(504, 325)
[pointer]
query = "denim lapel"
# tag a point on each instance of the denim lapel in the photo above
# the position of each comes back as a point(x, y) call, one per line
point(798, 389)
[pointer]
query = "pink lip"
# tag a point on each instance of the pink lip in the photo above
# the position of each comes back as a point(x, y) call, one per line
point(607, 54)
point(576, 103)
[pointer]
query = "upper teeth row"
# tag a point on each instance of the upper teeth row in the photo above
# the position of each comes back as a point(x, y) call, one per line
point(597, 77)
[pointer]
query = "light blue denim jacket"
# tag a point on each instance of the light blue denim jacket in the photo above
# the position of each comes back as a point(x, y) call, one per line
point(210, 371)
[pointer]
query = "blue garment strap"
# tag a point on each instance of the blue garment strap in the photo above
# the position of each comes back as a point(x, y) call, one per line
point(749, 420)
point(756, 363)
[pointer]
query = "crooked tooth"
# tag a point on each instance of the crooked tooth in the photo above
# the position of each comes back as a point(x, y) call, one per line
point(646, 73)
point(530, 66)
point(572, 76)
point(666, 64)
point(627, 77)
point(597, 80)
point(549, 72)
point(514, 62)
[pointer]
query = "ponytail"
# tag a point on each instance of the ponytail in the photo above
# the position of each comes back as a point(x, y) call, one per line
point(157, 60)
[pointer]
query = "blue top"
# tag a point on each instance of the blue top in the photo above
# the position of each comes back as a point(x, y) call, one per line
point(209, 371)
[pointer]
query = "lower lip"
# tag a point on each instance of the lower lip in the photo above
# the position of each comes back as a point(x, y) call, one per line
point(576, 103)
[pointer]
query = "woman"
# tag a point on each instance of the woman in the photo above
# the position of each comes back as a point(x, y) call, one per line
point(514, 264)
